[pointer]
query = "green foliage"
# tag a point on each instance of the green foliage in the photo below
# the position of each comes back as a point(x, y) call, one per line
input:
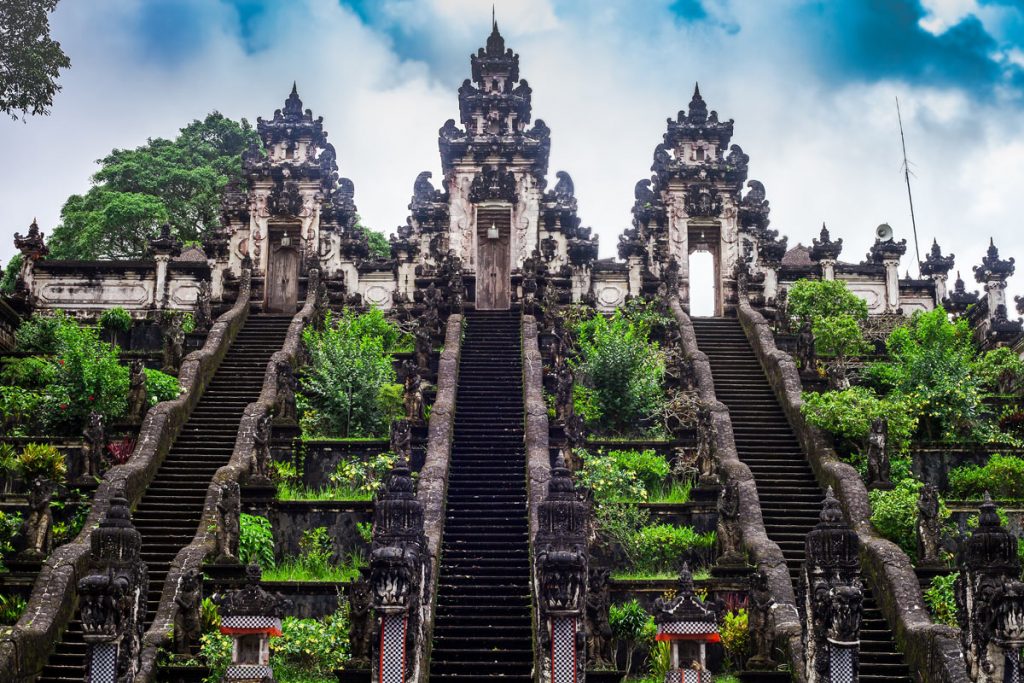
point(64, 531)
point(208, 615)
point(10, 527)
point(176, 181)
point(298, 568)
point(215, 652)
point(365, 530)
point(316, 548)
point(10, 276)
point(661, 547)
point(11, 609)
point(20, 410)
point(810, 300)
point(940, 598)
point(89, 377)
point(116, 319)
point(848, 414)
point(629, 621)
point(41, 461)
point(673, 492)
point(736, 637)
point(1001, 371)
point(894, 514)
point(623, 475)
point(1002, 476)
point(30, 60)
point(380, 246)
point(647, 315)
point(188, 323)
point(310, 647)
point(38, 334)
point(585, 402)
point(256, 541)
point(343, 387)
point(31, 372)
point(362, 477)
point(838, 337)
point(623, 368)
point(661, 660)
point(160, 387)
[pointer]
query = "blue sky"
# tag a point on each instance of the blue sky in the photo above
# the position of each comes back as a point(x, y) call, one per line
point(811, 85)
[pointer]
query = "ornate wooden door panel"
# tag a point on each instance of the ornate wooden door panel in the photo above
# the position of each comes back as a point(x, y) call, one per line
point(283, 281)
point(493, 269)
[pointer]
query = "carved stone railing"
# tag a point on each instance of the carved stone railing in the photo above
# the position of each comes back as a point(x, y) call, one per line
point(764, 552)
point(432, 488)
point(538, 454)
point(932, 650)
point(52, 604)
point(238, 468)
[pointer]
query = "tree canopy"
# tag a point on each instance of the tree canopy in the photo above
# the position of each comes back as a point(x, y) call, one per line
point(165, 181)
point(30, 60)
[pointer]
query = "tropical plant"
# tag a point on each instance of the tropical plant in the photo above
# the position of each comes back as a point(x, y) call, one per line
point(160, 387)
point(663, 547)
point(1002, 476)
point(343, 384)
point(42, 461)
point(894, 513)
point(810, 300)
point(89, 378)
point(116, 319)
point(10, 275)
point(20, 410)
point(38, 334)
point(11, 609)
point(736, 637)
point(10, 527)
point(256, 541)
point(848, 415)
point(361, 477)
point(941, 600)
point(632, 625)
point(31, 372)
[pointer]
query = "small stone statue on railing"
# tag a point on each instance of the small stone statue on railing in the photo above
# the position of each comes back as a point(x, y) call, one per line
point(137, 392)
point(424, 344)
point(728, 532)
point(599, 630)
point(412, 393)
point(878, 455)
point(360, 619)
point(204, 308)
point(759, 614)
point(782, 320)
point(188, 623)
point(38, 525)
point(575, 434)
point(284, 402)
point(260, 471)
point(174, 342)
point(229, 511)
point(563, 392)
point(707, 474)
point(805, 348)
point(929, 527)
point(401, 439)
point(94, 441)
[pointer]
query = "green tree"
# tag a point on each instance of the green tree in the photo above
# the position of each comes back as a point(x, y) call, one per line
point(811, 299)
point(10, 276)
point(30, 60)
point(176, 181)
point(380, 246)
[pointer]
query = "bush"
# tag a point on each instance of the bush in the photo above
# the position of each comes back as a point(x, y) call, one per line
point(38, 334)
point(848, 415)
point(736, 637)
point(33, 372)
point(623, 475)
point(11, 609)
point(10, 276)
point(308, 647)
point(362, 477)
point(42, 461)
point(160, 387)
point(89, 377)
point(662, 547)
point(810, 300)
point(940, 598)
point(116, 319)
point(631, 624)
point(1002, 476)
point(623, 368)
point(1001, 371)
point(894, 514)
point(343, 385)
point(256, 541)
point(20, 410)
point(316, 549)
point(10, 527)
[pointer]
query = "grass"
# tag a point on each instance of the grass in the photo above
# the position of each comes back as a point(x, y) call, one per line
point(344, 439)
point(698, 575)
point(677, 492)
point(300, 569)
point(289, 491)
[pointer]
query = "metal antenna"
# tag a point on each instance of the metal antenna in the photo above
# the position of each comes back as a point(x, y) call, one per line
point(906, 176)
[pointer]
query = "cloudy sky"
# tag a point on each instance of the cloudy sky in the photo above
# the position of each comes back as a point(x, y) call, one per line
point(810, 84)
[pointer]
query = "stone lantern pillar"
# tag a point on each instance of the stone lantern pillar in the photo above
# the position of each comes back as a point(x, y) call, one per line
point(163, 247)
point(959, 300)
point(251, 616)
point(32, 248)
point(770, 251)
point(990, 601)
point(937, 267)
point(688, 626)
point(993, 273)
point(113, 598)
point(832, 596)
point(826, 253)
point(560, 579)
point(888, 252)
point(399, 575)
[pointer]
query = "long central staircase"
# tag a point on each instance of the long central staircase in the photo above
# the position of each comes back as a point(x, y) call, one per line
point(168, 514)
point(789, 493)
point(483, 625)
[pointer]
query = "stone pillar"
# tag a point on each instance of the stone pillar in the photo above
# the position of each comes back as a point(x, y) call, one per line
point(826, 252)
point(251, 616)
point(400, 576)
point(892, 283)
point(560, 580)
point(990, 600)
point(828, 269)
point(32, 248)
point(163, 247)
point(993, 273)
point(832, 596)
point(113, 598)
point(887, 253)
point(937, 267)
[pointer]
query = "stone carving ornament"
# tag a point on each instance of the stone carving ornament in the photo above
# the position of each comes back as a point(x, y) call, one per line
point(188, 623)
point(137, 391)
point(94, 442)
point(878, 455)
point(929, 532)
point(229, 511)
point(599, 631)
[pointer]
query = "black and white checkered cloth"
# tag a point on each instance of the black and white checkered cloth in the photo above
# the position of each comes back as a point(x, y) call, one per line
point(1012, 673)
point(841, 665)
point(563, 650)
point(687, 628)
point(248, 672)
point(392, 649)
point(251, 623)
point(103, 665)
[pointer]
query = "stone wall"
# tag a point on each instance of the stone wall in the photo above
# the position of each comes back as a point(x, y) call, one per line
point(764, 552)
point(931, 649)
point(24, 650)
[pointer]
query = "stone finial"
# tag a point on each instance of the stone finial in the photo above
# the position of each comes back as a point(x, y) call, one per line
point(697, 112)
point(959, 300)
point(165, 244)
point(823, 247)
point(32, 245)
point(935, 263)
point(993, 268)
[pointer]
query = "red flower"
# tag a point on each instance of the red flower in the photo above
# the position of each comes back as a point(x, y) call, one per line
point(63, 406)
point(91, 397)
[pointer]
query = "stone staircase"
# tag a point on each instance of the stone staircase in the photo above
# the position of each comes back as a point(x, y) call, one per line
point(483, 621)
point(789, 493)
point(168, 514)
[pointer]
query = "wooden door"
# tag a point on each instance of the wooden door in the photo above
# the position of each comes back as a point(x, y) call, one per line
point(493, 270)
point(283, 281)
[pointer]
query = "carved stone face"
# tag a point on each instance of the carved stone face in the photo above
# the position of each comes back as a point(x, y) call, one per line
point(846, 613)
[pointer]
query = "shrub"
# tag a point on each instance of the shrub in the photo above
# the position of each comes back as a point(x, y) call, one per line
point(116, 319)
point(38, 334)
point(736, 637)
point(343, 385)
point(160, 387)
point(33, 372)
point(11, 609)
point(10, 275)
point(608, 480)
point(42, 461)
point(256, 541)
point(848, 415)
point(662, 547)
point(939, 596)
point(88, 378)
point(1001, 370)
point(307, 647)
point(316, 548)
point(10, 527)
point(623, 368)
point(810, 300)
point(1002, 476)
point(894, 514)
point(20, 410)
point(632, 625)
point(362, 477)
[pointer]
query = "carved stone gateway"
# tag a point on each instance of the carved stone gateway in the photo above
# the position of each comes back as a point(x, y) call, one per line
point(832, 595)
point(113, 597)
point(400, 577)
point(990, 601)
point(560, 579)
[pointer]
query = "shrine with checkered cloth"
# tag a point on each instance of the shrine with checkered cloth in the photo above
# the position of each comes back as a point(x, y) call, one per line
point(688, 626)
